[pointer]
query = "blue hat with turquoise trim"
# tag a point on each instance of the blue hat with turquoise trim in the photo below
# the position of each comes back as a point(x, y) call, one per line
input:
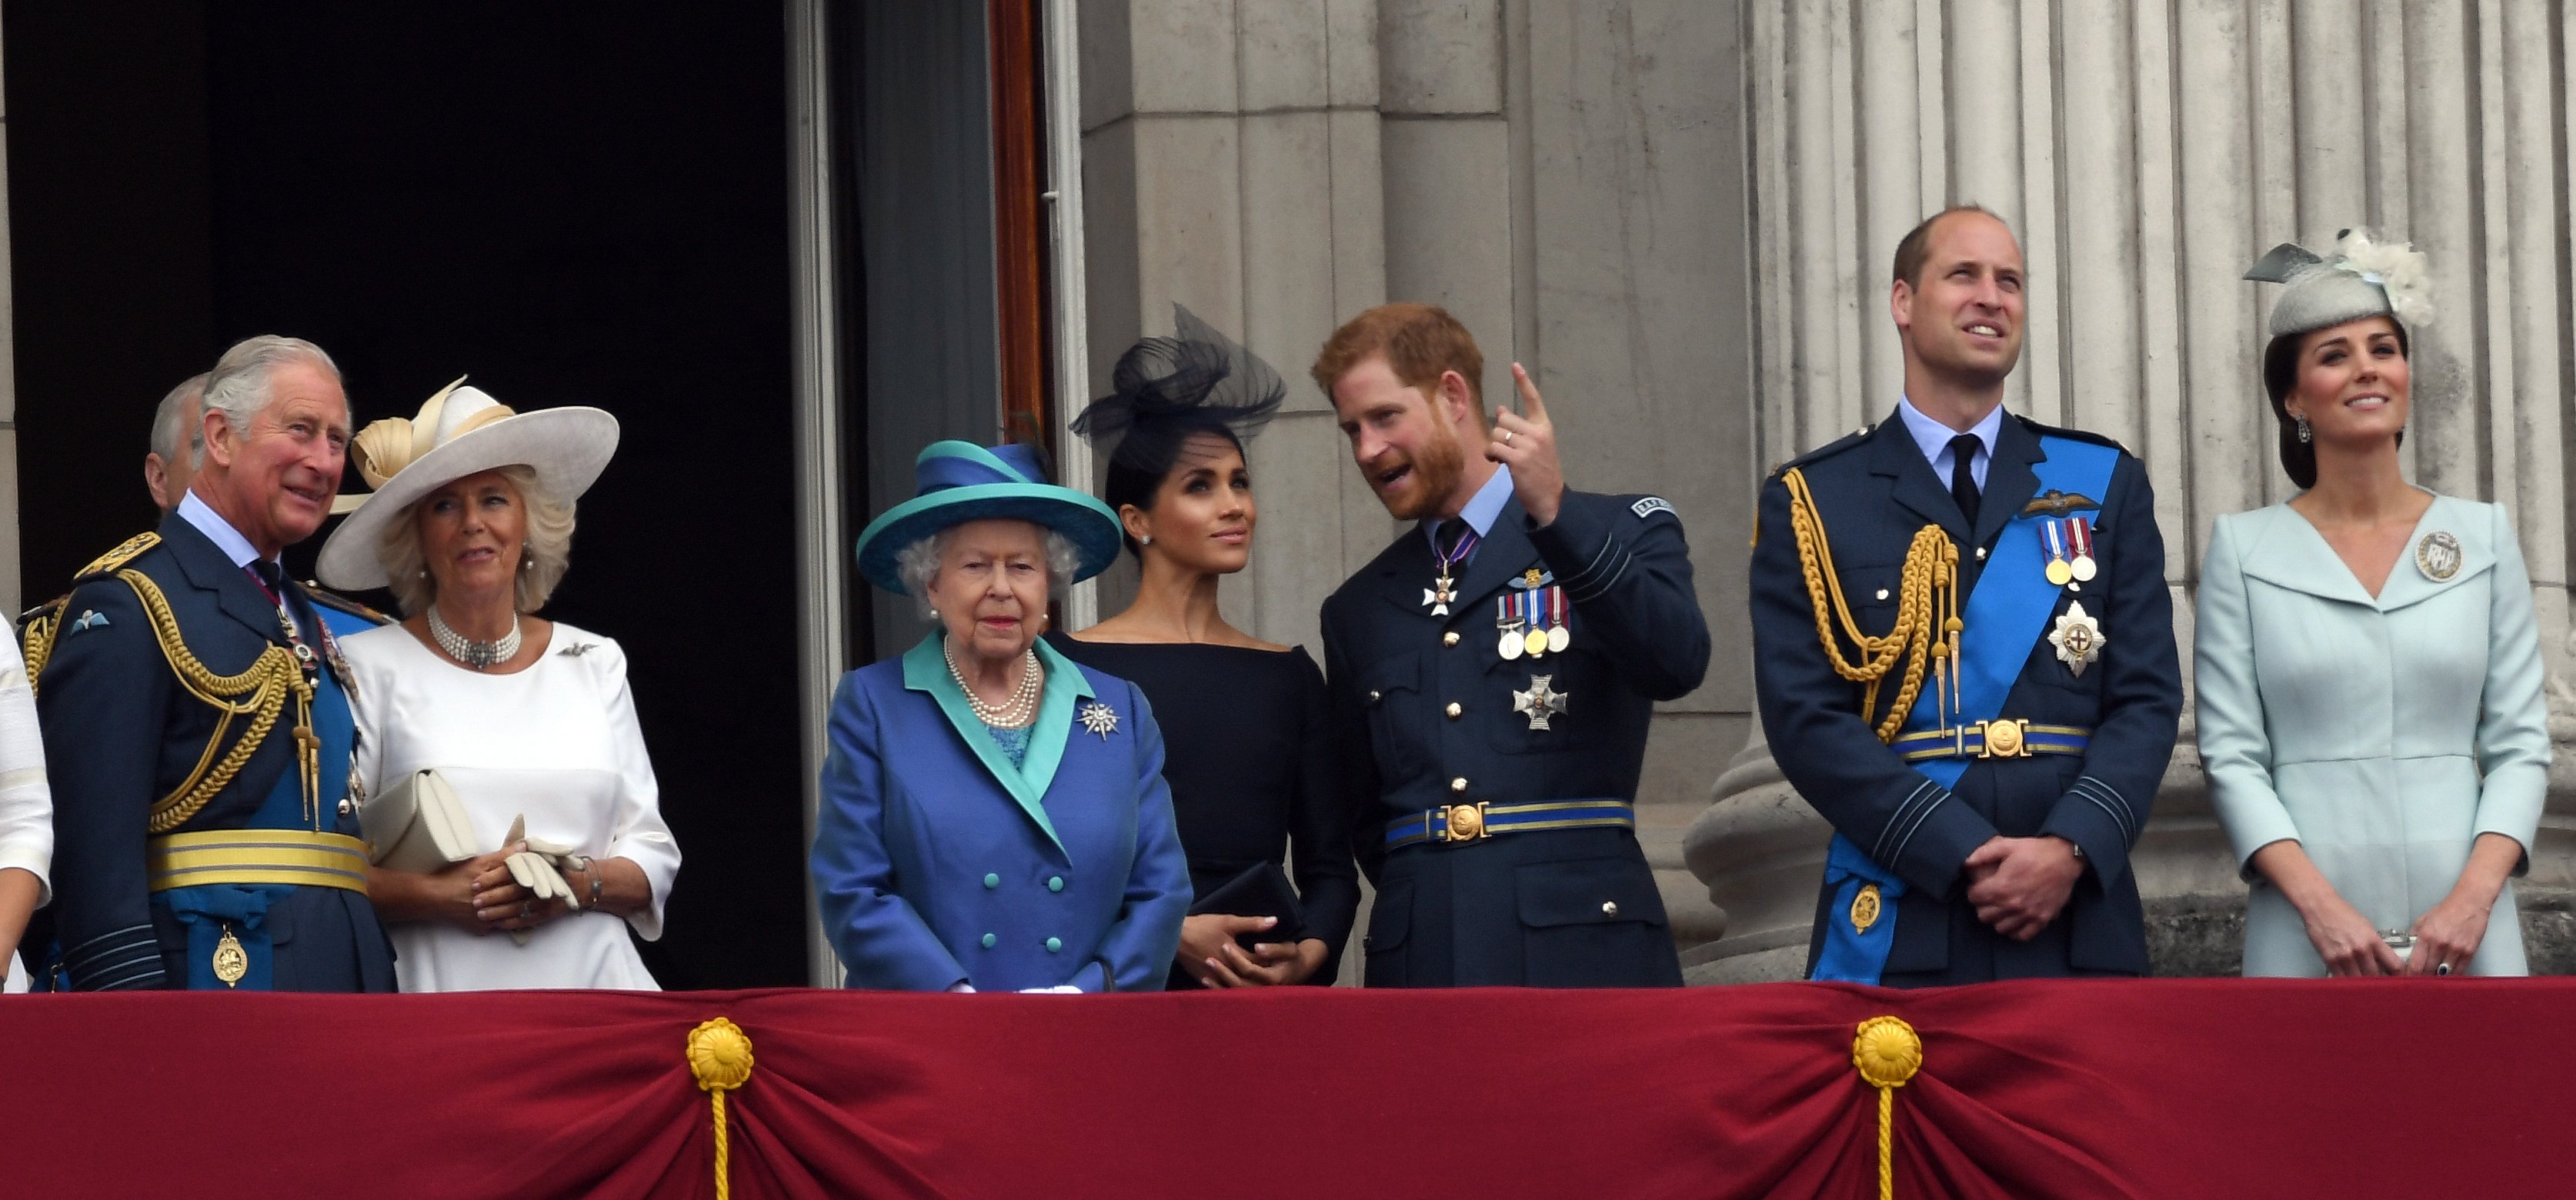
point(955, 482)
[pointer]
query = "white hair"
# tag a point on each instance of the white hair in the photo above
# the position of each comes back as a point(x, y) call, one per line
point(238, 387)
point(918, 564)
point(547, 555)
point(170, 427)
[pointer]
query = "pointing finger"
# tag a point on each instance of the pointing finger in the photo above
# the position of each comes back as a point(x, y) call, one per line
point(1531, 406)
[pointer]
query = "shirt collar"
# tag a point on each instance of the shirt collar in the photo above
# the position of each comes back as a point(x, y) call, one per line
point(1483, 507)
point(217, 530)
point(1933, 437)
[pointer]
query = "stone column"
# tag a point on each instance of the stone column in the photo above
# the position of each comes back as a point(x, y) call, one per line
point(9, 581)
point(2147, 152)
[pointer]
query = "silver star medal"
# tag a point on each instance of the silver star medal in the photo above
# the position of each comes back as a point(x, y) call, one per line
point(2078, 638)
point(1439, 595)
point(1539, 701)
point(1099, 718)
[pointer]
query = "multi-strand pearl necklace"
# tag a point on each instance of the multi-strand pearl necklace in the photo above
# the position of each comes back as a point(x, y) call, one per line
point(1019, 710)
point(482, 656)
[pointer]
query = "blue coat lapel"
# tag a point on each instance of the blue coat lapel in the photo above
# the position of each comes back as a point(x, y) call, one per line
point(925, 669)
point(208, 570)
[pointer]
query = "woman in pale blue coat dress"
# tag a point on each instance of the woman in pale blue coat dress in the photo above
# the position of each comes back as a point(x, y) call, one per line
point(2368, 671)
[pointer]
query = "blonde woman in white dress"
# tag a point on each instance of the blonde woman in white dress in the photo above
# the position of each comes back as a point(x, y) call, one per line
point(2368, 669)
point(26, 814)
point(528, 720)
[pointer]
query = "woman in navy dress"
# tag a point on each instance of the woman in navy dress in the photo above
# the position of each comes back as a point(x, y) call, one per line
point(1248, 754)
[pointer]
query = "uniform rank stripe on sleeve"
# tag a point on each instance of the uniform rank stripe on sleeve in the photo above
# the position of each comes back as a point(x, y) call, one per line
point(1595, 591)
point(1570, 582)
point(111, 940)
point(1916, 825)
point(2111, 801)
point(1877, 849)
point(138, 976)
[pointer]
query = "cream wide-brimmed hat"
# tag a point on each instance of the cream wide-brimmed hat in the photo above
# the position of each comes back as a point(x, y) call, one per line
point(461, 431)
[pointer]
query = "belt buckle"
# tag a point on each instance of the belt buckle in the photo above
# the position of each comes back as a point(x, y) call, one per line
point(1466, 823)
point(2004, 738)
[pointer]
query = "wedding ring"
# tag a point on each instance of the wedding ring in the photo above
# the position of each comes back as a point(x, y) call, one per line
point(1507, 437)
point(2443, 969)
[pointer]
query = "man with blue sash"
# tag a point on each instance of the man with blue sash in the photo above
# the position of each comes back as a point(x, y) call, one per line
point(197, 720)
point(1964, 654)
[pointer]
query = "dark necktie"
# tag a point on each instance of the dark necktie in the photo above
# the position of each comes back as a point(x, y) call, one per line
point(1444, 540)
point(270, 576)
point(1963, 476)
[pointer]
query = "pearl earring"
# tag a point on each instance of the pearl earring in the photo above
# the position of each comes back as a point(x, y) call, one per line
point(1146, 540)
point(2304, 435)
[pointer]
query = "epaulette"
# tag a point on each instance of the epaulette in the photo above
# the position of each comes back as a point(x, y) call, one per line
point(39, 626)
point(2081, 435)
point(125, 552)
point(1836, 446)
point(334, 600)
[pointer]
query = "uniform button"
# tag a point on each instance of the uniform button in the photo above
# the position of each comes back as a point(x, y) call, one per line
point(1454, 710)
point(1981, 554)
point(989, 939)
point(992, 881)
point(1054, 944)
point(1055, 883)
point(1459, 785)
point(1372, 697)
point(1450, 638)
point(1882, 593)
point(1609, 908)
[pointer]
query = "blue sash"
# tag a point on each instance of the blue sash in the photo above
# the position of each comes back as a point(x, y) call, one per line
point(2003, 619)
point(206, 911)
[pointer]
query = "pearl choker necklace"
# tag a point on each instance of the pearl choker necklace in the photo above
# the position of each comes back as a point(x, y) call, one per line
point(1019, 710)
point(482, 656)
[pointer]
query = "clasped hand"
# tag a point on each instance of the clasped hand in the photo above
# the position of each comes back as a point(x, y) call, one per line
point(2019, 885)
point(1211, 955)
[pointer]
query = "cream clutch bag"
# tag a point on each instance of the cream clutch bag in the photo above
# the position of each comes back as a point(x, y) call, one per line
point(418, 824)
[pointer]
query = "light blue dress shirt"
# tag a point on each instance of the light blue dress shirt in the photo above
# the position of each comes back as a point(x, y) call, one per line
point(1480, 512)
point(1934, 439)
point(218, 530)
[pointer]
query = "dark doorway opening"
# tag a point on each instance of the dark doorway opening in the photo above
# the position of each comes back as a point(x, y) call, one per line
point(572, 203)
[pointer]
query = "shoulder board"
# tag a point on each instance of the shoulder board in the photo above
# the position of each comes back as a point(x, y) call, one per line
point(2080, 435)
point(1828, 450)
point(125, 552)
point(334, 600)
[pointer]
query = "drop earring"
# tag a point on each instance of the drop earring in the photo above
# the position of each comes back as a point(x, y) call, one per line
point(2304, 434)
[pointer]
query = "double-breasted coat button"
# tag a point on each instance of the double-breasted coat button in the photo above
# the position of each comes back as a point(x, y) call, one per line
point(1054, 944)
point(989, 939)
point(1981, 554)
point(1450, 638)
point(1372, 697)
point(1055, 883)
point(1609, 908)
point(1454, 710)
point(1459, 785)
point(1882, 593)
point(992, 881)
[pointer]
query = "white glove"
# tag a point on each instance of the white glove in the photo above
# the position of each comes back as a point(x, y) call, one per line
point(537, 873)
point(1061, 989)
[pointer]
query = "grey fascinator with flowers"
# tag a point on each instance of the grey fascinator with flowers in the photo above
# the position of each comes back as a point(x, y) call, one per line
point(2355, 278)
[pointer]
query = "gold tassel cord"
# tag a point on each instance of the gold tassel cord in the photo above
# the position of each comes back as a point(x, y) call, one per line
point(720, 1057)
point(1887, 1052)
point(259, 693)
point(1927, 614)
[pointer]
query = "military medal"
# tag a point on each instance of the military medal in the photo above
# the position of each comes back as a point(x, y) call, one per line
point(1558, 638)
point(1508, 621)
point(231, 962)
point(1444, 589)
point(1865, 907)
point(2052, 538)
point(2078, 638)
point(2438, 556)
point(2080, 532)
point(1534, 640)
point(1539, 701)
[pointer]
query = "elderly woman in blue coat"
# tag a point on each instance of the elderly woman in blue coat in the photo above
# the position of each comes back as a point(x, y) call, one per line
point(994, 817)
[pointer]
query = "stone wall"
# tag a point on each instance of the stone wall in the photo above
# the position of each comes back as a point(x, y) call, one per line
point(2148, 152)
point(9, 581)
point(1564, 175)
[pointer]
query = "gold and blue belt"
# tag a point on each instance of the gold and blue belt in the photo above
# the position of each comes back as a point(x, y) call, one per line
point(256, 856)
point(1475, 822)
point(1993, 739)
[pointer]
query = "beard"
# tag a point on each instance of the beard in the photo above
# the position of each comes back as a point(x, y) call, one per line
point(1436, 472)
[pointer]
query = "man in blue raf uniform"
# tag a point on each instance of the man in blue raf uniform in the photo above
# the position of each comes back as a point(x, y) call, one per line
point(1492, 674)
point(1964, 653)
point(197, 720)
